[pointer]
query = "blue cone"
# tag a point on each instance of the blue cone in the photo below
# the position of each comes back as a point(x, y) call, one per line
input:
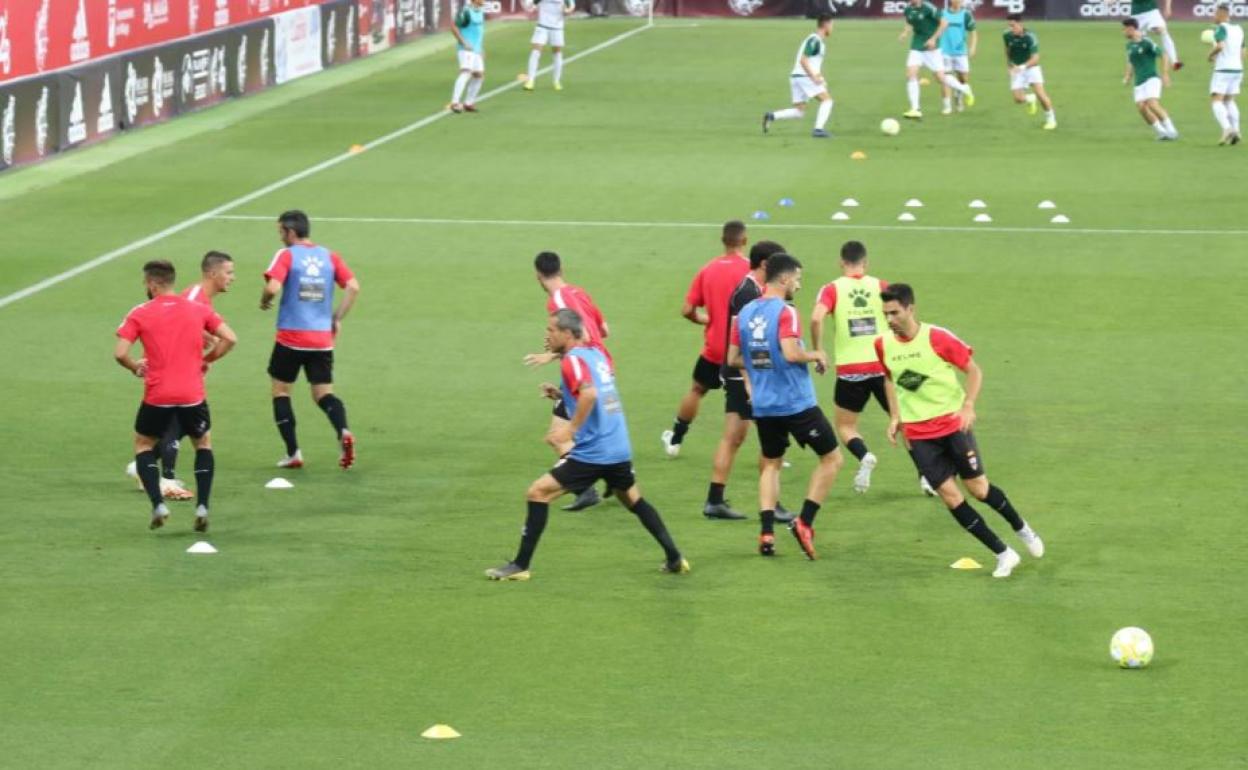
point(786, 202)
point(760, 215)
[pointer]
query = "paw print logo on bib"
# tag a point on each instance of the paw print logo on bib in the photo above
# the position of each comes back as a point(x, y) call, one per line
point(758, 328)
point(859, 297)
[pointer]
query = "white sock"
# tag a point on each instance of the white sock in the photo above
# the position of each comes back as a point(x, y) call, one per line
point(1167, 42)
point(535, 57)
point(1169, 126)
point(1219, 114)
point(1159, 128)
point(1232, 111)
point(460, 82)
point(1030, 98)
point(1050, 115)
point(474, 88)
point(947, 102)
point(825, 112)
point(791, 113)
point(956, 85)
point(912, 91)
point(558, 70)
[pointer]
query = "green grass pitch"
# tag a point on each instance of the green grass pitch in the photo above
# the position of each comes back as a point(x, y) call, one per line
point(343, 617)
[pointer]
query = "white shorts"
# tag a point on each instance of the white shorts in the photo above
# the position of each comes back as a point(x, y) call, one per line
point(930, 59)
point(1150, 20)
point(1149, 89)
point(957, 63)
point(547, 36)
point(471, 61)
point(804, 89)
point(1030, 76)
point(1226, 83)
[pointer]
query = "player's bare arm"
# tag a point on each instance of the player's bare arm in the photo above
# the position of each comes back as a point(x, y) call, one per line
point(585, 400)
point(272, 288)
point(974, 381)
point(695, 314)
point(350, 292)
point(894, 411)
point(121, 354)
point(934, 40)
point(794, 353)
point(816, 325)
point(974, 43)
point(224, 340)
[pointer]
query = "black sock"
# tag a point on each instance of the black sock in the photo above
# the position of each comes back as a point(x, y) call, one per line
point(336, 411)
point(149, 474)
point(168, 447)
point(534, 523)
point(809, 509)
point(679, 429)
point(715, 495)
point(972, 522)
point(768, 521)
point(857, 447)
point(205, 464)
point(1001, 504)
point(654, 525)
point(284, 416)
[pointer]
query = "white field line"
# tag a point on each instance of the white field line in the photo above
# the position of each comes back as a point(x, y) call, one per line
point(214, 213)
point(766, 225)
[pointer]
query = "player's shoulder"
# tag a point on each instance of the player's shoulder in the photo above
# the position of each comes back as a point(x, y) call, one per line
point(941, 334)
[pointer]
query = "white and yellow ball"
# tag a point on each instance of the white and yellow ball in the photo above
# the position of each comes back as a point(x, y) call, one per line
point(1131, 647)
point(890, 126)
point(1206, 37)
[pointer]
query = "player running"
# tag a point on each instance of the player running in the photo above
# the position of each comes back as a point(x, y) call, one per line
point(936, 414)
point(1022, 59)
point(925, 27)
point(305, 275)
point(1227, 55)
point(1151, 19)
point(171, 329)
point(737, 413)
point(955, 51)
point(469, 32)
point(600, 449)
point(562, 294)
point(806, 81)
point(767, 343)
point(549, 31)
point(706, 304)
point(853, 302)
point(1142, 67)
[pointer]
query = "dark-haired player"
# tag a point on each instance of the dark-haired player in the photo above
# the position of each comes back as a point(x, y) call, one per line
point(806, 81)
point(171, 330)
point(469, 31)
point(706, 304)
point(1142, 56)
point(305, 275)
point(1022, 59)
point(930, 405)
point(925, 26)
point(767, 343)
point(600, 449)
point(560, 295)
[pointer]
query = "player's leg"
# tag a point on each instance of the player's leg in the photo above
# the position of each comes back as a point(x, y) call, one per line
point(823, 113)
point(1218, 102)
point(461, 82)
point(797, 97)
point(946, 93)
point(913, 63)
point(811, 428)
point(537, 501)
point(197, 421)
point(970, 468)
point(556, 58)
point(1036, 78)
point(170, 487)
point(620, 478)
point(319, 368)
point(773, 441)
point(586, 497)
point(946, 78)
point(735, 431)
point(538, 42)
point(1168, 130)
point(706, 377)
point(936, 462)
point(1232, 111)
point(1158, 25)
point(851, 398)
point(474, 87)
point(284, 365)
point(150, 424)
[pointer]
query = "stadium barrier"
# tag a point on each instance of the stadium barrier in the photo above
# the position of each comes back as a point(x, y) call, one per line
point(1056, 10)
point(95, 68)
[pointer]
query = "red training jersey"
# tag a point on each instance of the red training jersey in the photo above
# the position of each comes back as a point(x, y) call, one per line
point(575, 298)
point(303, 339)
point(712, 289)
point(196, 293)
point(171, 329)
point(955, 351)
point(790, 323)
point(827, 298)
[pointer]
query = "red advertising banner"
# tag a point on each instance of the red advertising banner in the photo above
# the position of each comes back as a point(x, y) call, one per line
point(39, 36)
point(983, 9)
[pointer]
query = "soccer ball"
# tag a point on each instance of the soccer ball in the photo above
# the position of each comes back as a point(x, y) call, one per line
point(890, 126)
point(1131, 647)
point(1207, 37)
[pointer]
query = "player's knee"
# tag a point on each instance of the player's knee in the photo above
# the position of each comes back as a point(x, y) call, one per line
point(833, 460)
point(978, 487)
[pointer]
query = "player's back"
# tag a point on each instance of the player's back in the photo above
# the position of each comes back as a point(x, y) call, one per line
point(171, 330)
point(577, 299)
point(195, 293)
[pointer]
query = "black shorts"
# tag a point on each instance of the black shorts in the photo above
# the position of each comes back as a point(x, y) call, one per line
point(576, 475)
point(154, 421)
point(561, 410)
point(939, 458)
point(853, 395)
point(285, 363)
point(809, 428)
point(736, 399)
point(706, 374)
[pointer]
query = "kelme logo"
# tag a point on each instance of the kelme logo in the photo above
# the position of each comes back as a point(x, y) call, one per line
point(911, 380)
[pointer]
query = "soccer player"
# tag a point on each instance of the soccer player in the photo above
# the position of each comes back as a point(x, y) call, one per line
point(216, 275)
point(925, 27)
point(305, 275)
point(937, 415)
point(1150, 19)
point(1022, 59)
point(853, 303)
point(767, 343)
point(954, 49)
point(706, 304)
point(806, 82)
point(598, 435)
point(1142, 68)
point(1227, 55)
point(549, 31)
point(469, 32)
point(562, 294)
point(737, 413)
point(171, 329)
